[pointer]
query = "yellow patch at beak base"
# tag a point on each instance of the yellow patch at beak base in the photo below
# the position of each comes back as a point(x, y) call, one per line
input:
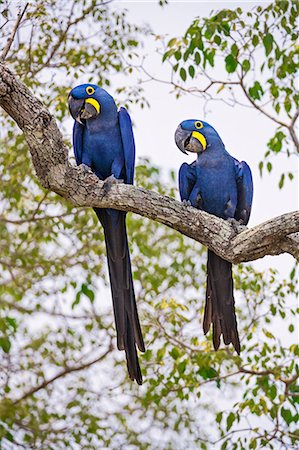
point(200, 137)
point(94, 103)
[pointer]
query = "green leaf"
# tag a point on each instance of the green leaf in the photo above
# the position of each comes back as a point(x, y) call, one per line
point(246, 65)
point(255, 40)
point(268, 43)
point(172, 42)
point(147, 355)
point(221, 87)
point(230, 420)
point(209, 56)
point(178, 55)
point(291, 176)
point(209, 32)
point(224, 445)
point(226, 28)
point(197, 58)
point(219, 417)
point(286, 415)
point(217, 39)
point(234, 50)
point(272, 392)
point(160, 353)
point(182, 367)
point(256, 91)
point(88, 292)
point(77, 299)
point(281, 181)
point(191, 71)
point(287, 104)
point(230, 63)
point(183, 74)
point(5, 344)
point(168, 54)
point(275, 144)
point(12, 322)
point(261, 165)
point(175, 353)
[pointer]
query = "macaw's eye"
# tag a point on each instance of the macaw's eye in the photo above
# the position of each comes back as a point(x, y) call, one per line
point(90, 90)
point(198, 125)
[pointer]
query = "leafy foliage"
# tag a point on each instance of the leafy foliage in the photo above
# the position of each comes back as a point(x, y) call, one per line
point(258, 53)
point(63, 41)
point(63, 384)
point(57, 327)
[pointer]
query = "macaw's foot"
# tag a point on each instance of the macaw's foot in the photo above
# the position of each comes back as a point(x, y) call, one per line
point(198, 202)
point(186, 203)
point(86, 168)
point(112, 180)
point(109, 182)
point(237, 225)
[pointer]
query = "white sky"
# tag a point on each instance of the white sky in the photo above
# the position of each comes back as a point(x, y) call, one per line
point(244, 131)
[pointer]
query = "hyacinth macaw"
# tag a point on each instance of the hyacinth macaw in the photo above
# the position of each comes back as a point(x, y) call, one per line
point(103, 140)
point(218, 184)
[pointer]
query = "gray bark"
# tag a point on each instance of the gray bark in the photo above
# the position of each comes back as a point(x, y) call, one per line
point(81, 188)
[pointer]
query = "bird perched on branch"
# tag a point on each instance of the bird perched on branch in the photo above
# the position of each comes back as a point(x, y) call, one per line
point(218, 184)
point(103, 140)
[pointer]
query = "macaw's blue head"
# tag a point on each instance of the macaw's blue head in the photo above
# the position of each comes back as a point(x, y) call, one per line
point(87, 101)
point(196, 136)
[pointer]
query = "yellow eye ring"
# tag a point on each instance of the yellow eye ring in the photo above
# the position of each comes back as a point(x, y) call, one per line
point(198, 125)
point(90, 90)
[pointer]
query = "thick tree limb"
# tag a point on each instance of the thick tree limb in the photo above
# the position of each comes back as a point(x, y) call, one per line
point(49, 155)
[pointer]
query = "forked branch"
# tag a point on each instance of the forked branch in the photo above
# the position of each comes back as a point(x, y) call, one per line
point(50, 159)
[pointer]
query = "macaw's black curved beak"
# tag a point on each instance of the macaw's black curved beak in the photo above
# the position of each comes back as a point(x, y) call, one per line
point(83, 109)
point(76, 105)
point(188, 141)
point(180, 137)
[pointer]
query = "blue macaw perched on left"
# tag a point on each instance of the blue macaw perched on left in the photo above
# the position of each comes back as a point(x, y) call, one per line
point(103, 140)
point(218, 184)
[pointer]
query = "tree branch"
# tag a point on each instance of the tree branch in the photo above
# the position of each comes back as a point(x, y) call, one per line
point(81, 188)
point(63, 373)
point(13, 33)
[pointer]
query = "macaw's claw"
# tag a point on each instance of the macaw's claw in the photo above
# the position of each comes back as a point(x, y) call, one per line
point(186, 203)
point(198, 202)
point(85, 168)
point(237, 225)
point(109, 182)
point(113, 180)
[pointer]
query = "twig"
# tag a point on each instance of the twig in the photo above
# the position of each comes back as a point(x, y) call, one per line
point(13, 33)
point(64, 372)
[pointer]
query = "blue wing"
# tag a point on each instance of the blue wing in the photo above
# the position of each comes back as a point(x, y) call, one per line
point(78, 142)
point(245, 191)
point(187, 179)
point(127, 137)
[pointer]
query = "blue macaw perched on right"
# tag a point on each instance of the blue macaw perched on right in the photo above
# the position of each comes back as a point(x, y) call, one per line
point(221, 185)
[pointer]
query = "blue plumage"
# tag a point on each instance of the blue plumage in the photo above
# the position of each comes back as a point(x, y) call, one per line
point(218, 184)
point(107, 139)
point(103, 140)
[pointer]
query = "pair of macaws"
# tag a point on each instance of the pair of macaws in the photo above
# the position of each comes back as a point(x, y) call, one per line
point(216, 183)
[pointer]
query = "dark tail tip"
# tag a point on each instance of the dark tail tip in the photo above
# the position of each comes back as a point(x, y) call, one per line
point(220, 303)
point(132, 356)
point(236, 344)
